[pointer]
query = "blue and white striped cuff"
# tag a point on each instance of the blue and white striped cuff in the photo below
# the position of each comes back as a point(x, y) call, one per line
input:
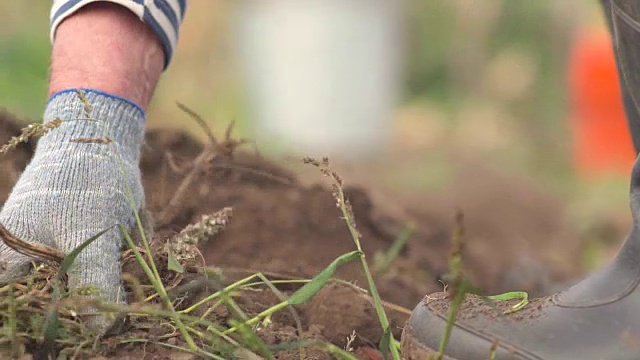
point(164, 17)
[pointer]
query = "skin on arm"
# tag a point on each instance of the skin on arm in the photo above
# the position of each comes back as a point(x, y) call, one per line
point(127, 61)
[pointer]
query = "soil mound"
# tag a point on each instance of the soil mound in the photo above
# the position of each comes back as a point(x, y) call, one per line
point(293, 230)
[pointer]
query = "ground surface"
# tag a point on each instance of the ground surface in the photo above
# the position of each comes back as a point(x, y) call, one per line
point(288, 224)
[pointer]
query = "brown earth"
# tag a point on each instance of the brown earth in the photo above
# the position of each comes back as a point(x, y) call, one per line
point(291, 227)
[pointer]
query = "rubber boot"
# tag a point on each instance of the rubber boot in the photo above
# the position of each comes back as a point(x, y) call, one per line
point(598, 318)
point(629, 93)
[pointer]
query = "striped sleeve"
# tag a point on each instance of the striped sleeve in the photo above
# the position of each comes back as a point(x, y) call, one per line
point(164, 17)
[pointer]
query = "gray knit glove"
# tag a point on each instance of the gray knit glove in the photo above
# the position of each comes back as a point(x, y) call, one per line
point(72, 190)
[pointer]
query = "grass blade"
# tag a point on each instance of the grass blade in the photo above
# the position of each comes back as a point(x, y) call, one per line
point(51, 322)
point(395, 249)
point(319, 281)
point(50, 326)
point(252, 340)
point(71, 257)
point(306, 292)
point(156, 281)
point(386, 342)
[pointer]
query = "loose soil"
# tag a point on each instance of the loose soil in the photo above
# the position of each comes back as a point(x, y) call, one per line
point(289, 227)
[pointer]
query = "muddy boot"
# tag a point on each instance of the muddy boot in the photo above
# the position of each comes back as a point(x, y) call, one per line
point(599, 318)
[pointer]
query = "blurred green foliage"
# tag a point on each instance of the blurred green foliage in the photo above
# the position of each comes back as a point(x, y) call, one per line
point(24, 56)
point(453, 43)
point(23, 80)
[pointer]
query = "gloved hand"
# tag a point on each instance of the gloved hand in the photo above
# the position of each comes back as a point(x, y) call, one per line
point(72, 190)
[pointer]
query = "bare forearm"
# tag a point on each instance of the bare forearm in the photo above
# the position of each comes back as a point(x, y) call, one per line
point(104, 46)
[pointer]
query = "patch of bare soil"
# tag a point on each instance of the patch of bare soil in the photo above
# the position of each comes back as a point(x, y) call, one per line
point(13, 163)
point(290, 229)
point(517, 235)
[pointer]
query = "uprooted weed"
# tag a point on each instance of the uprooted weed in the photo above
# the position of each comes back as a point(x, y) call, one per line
point(174, 301)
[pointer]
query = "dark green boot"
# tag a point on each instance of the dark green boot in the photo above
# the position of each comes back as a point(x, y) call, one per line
point(599, 318)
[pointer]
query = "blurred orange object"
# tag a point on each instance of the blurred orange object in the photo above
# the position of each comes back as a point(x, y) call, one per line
point(602, 142)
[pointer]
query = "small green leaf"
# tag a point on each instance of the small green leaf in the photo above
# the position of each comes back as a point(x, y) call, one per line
point(51, 323)
point(71, 257)
point(385, 343)
point(523, 296)
point(311, 288)
point(174, 265)
point(51, 327)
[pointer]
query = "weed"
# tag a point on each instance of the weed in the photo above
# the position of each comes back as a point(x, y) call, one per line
point(387, 342)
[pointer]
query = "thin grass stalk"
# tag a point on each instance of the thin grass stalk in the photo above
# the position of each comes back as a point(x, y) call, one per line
point(254, 320)
point(218, 293)
point(355, 235)
point(157, 282)
point(293, 311)
point(459, 286)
